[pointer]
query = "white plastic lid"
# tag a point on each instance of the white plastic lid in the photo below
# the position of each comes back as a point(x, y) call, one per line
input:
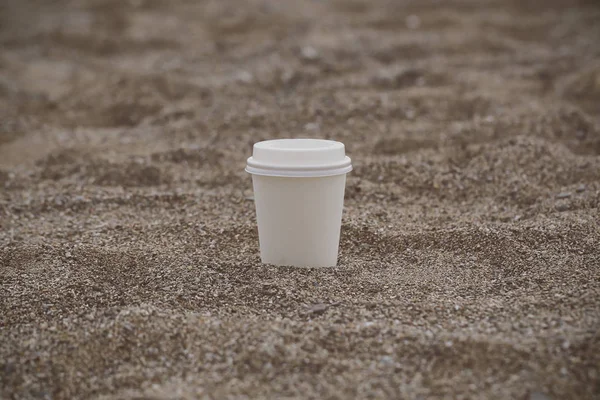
point(299, 158)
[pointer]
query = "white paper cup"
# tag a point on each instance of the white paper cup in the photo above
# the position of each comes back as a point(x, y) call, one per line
point(299, 196)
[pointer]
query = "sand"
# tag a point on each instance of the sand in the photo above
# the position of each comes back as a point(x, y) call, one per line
point(470, 253)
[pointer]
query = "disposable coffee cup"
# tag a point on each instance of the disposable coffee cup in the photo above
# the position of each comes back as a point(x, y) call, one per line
point(299, 196)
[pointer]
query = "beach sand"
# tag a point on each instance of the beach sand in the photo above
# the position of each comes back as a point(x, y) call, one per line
point(470, 253)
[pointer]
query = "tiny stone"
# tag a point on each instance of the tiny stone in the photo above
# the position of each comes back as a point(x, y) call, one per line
point(311, 126)
point(383, 78)
point(563, 195)
point(318, 308)
point(310, 53)
point(244, 77)
point(386, 360)
point(580, 188)
point(562, 207)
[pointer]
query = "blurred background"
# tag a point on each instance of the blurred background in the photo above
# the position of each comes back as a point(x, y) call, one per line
point(128, 246)
point(384, 76)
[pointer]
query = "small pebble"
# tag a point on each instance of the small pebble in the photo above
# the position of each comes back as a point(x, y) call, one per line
point(563, 195)
point(386, 360)
point(311, 126)
point(318, 308)
point(383, 78)
point(309, 53)
point(244, 77)
point(580, 188)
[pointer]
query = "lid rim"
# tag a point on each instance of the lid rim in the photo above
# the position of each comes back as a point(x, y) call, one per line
point(282, 173)
point(251, 162)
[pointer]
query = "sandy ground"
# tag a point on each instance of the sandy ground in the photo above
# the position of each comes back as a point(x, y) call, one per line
point(470, 251)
